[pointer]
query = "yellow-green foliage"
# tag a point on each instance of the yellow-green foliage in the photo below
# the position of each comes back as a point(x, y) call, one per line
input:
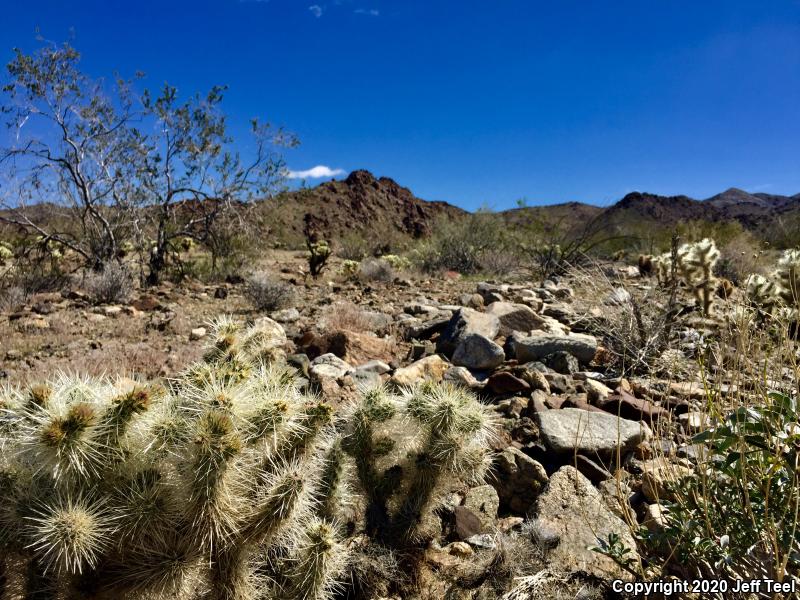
point(6, 252)
point(349, 269)
point(399, 263)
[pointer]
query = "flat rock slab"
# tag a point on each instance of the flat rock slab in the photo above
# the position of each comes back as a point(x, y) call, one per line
point(569, 429)
point(572, 514)
point(535, 347)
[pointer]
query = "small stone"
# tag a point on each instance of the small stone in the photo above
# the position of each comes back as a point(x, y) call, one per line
point(197, 334)
point(562, 362)
point(430, 368)
point(287, 315)
point(505, 383)
point(466, 523)
point(460, 549)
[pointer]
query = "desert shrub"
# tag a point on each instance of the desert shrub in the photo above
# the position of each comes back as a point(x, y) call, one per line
point(112, 285)
point(733, 511)
point(501, 263)
point(346, 316)
point(636, 329)
point(353, 246)
point(12, 298)
point(739, 258)
point(226, 481)
point(459, 245)
point(267, 293)
point(376, 269)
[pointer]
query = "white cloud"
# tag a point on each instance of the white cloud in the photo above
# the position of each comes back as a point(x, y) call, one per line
point(316, 10)
point(317, 172)
point(372, 12)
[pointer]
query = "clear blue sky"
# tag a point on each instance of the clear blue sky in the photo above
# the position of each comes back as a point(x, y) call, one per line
point(478, 101)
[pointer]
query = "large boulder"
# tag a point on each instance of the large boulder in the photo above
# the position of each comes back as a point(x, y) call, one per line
point(539, 345)
point(514, 317)
point(478, 352)
point(518, 480)
point(571, 513)
point(570, 429)
point(463, 323)
point(430, 368)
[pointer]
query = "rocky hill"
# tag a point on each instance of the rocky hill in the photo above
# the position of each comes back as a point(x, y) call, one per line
point(361, 203)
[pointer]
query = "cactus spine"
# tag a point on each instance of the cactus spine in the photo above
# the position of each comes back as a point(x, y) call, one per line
point(228, 484)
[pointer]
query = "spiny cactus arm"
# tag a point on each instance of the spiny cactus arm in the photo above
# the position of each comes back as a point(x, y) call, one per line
point(213, 506)
point(375, 409)
point(788, 277)
point(62, 437)
point(318, 561)
point(334, 491)
point(68, 534)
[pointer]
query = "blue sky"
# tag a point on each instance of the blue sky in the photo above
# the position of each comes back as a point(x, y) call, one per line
point(478, 102)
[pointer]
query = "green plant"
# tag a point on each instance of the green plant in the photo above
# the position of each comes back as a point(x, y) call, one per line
point(318, 254)
point(738, 514)
point(230, 483)
point(401, 480)
point(696, 264)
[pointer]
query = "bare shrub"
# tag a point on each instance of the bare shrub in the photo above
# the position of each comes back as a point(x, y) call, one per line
point(375, 269)
point(12, 298)
point(346, 316)
point(112, 285)
point(267, 293)
point(353, 246)
point(635, 327)
point(501, 263)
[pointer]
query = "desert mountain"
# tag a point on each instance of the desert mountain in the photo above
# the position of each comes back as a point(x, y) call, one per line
point(361, 203)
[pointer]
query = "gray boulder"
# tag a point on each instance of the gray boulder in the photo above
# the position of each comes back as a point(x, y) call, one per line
point(514, 317)
point(518, 480)
point(464, 322)
point(538, 346)
point(571, 429)
point(573, 514)
point(478, 352)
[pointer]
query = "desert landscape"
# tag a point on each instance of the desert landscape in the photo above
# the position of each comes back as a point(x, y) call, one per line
point(216, 384)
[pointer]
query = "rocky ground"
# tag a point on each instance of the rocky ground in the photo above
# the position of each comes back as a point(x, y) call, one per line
point(558, 473)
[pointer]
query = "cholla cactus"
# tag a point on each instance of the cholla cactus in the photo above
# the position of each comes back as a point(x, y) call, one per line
point(402, 470)
point(761, 292)
point(697, 266)
point(662, 265)
point(318, 254)
point(349, 269)
point(227, 484)
point(399, 263)
point(6, 252)
point(787, 278)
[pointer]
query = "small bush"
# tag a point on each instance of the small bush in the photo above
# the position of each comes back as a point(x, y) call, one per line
point(12, 298)
point(114, 284)
point(353, 246)
point(376, 270)
point(346, 316)
point(267, 293)
point(460, 245)
point(500, 262)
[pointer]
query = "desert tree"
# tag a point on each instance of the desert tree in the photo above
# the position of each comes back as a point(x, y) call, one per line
point(71, 154)
point(193, 176)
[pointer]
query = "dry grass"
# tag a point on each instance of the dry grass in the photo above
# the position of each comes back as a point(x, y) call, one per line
point(346, 316)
